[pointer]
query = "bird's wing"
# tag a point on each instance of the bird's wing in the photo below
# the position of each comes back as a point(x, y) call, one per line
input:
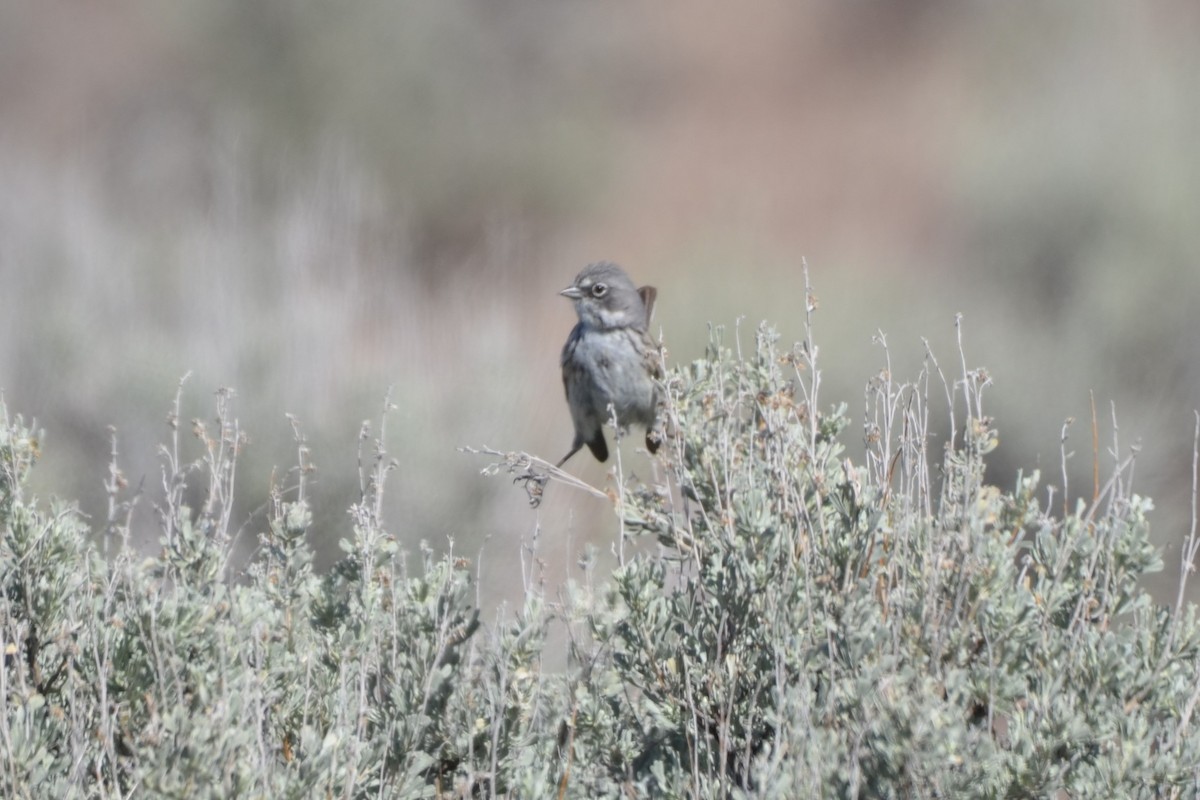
point(568, 350)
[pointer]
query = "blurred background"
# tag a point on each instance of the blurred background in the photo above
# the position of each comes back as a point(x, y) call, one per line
point(311, 203)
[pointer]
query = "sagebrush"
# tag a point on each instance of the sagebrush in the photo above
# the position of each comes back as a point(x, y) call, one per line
point(805, 626)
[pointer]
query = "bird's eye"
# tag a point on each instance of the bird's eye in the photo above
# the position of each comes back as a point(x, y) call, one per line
point(599, 290)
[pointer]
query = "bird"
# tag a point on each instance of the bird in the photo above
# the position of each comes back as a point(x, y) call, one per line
point(610, 359)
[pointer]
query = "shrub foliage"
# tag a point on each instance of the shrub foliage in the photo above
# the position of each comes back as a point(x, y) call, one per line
point(782, 623)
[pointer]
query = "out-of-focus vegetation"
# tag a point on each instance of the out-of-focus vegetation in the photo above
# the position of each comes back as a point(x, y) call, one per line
point(305, 205)
point(312, 204)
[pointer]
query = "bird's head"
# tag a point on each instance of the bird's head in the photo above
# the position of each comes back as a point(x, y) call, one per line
point(605, 298)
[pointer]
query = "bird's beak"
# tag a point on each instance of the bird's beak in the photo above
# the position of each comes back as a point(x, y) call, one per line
point(572, 292)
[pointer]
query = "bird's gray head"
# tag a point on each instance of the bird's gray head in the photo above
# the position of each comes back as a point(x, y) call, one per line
point(606, 298)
